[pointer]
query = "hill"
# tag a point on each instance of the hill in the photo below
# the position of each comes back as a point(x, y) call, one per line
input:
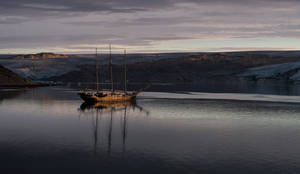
point(40, 56)
point(187, 69)
point(9, 78)
point(43, 68)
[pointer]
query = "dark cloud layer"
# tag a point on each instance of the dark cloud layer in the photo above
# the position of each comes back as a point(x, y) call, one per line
point(67, 7)
point(144, 23)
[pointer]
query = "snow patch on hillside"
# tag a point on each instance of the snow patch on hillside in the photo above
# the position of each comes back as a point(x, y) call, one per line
point(273, 71)
point(44, 68)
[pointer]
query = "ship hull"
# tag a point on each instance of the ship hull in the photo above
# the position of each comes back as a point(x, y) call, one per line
point(107, 98)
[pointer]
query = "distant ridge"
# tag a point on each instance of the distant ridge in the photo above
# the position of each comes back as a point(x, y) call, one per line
point(189, 68)
point(40, 56)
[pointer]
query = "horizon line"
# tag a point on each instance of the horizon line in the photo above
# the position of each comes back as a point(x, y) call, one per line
point(171, 52)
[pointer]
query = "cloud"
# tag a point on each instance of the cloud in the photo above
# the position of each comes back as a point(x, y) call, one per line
point(144, 24)
point(59, 7)
point(51, 40)
point(13, 20)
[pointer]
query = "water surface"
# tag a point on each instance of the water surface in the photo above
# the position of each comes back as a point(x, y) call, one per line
point(50, 130)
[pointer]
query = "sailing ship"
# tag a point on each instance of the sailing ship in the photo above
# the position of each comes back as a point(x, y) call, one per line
point(109, 95)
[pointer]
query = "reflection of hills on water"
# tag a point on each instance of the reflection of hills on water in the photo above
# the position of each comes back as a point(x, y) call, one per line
point(46, 96)
point(109, 110)
point(10, 93)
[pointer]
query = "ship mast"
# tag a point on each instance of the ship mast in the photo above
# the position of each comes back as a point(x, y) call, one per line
point(97, 71)
point(125, 73)
point(111, 70)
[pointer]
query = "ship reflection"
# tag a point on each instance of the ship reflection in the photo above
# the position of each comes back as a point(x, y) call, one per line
point(110, 111)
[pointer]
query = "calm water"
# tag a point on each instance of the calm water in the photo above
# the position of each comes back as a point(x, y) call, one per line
point(49, 130)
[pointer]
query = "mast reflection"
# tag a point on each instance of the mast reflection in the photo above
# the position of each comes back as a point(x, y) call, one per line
point(110, 110)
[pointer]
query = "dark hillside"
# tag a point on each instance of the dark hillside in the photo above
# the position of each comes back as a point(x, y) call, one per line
point(191, 69)
point(9, 78)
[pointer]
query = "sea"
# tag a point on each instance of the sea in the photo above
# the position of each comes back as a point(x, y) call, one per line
point(51, 130)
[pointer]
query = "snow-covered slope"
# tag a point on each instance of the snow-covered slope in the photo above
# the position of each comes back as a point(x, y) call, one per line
point(290, 71)
point(43, 68)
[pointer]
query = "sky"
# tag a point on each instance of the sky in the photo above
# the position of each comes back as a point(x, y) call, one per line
point(147, 26)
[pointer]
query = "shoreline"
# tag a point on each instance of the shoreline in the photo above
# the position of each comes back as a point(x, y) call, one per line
point(26, 86)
